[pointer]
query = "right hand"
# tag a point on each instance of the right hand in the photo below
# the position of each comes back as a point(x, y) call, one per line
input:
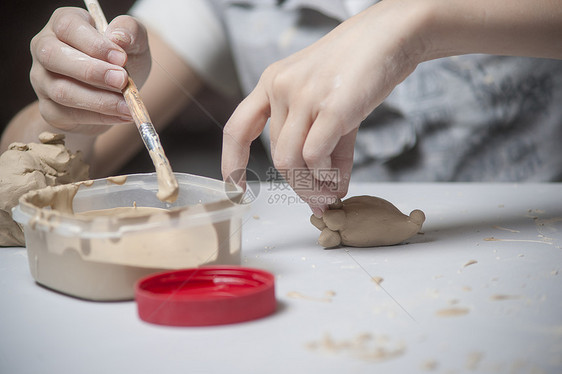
point(78, 74)
point(317, 98)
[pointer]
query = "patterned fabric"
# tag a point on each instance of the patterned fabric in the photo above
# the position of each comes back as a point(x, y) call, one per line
point(465, 118)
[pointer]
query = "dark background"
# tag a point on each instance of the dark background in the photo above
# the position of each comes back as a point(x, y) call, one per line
point(192, 143)
point(21, 20)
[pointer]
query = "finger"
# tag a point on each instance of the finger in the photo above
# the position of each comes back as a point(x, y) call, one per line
point(243, 127)
point(335, 186)
point(290, 162)
point(57, 57)
point(75, 27)
point(75, 95)
point(288, 152)
point(333, 177)
point(129, 34)
point(72, 119)
point(132, 36)
point(276, 121)
point(71, 93)
point(279, 106)
point(322, 139)
point(342, 162)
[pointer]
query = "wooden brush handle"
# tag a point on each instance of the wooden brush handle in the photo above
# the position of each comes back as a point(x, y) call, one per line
point(167, 183)
point(95, 11)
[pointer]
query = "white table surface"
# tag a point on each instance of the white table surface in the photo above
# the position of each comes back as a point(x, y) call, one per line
point(332, 317)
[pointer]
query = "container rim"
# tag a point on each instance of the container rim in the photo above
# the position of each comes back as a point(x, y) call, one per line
point(67, 224)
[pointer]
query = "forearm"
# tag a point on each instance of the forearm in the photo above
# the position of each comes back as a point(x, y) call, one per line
point(531, 28)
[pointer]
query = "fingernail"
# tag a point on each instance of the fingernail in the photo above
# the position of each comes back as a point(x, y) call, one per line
point(124, 109)
point(117, 57)
point(115, 78)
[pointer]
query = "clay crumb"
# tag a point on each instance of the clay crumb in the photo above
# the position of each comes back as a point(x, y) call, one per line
point(544, 241)
point(328, 296)
point(470, 262)
point(364, 346)
point(497, 297)
point(256, 217)
point(505, 229)
point(473, 360)
point(452, 312)
point(433, 293)
point(378, 280)
point(429, 365)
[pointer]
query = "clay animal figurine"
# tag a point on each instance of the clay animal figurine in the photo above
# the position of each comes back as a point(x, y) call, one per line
point(366, 221)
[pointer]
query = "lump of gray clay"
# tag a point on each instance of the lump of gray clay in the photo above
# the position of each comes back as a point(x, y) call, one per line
point(366, 221)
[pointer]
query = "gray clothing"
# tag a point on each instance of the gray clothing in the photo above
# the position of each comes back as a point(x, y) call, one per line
point(465, 118)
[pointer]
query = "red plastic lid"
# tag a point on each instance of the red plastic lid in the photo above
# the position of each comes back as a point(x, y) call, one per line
point(210, 295)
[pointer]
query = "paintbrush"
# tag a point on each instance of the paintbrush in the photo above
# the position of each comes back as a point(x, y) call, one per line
point(167, 182)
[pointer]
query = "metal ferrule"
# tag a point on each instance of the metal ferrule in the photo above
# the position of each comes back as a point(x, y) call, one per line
point(149, 136)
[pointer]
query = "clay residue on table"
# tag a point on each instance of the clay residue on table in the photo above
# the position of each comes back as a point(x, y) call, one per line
point(366, 221)
point(505, 229)
point(473, 360)
point(378, 281)
point(429, 365)
point(452, 312)
point(27, 167)
point(498, 297)
point(327, 298)
point(364, 346)
point(493, 239)
point(470, 262)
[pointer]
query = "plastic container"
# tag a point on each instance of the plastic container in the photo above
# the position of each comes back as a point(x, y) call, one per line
point(101, 258)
